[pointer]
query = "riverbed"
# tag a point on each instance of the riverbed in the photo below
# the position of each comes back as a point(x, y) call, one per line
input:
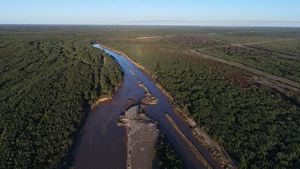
point(103, 143)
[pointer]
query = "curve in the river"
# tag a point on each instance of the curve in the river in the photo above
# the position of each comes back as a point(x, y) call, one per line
point(103, 143)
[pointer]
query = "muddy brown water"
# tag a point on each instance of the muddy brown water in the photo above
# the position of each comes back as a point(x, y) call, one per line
point(102, 144)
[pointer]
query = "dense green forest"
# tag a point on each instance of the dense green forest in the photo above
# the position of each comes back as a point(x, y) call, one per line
point(48, 82)
point(256, 125)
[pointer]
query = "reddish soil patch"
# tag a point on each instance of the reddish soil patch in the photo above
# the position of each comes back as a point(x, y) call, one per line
point(242, 80)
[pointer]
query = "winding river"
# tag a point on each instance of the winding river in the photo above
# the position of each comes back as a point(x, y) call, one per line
point(102, 143)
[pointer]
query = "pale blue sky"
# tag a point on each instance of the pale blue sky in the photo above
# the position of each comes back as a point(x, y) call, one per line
point(152, 12)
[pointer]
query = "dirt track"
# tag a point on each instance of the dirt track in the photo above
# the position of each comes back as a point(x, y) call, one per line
point(243, 44)
point(283, 82)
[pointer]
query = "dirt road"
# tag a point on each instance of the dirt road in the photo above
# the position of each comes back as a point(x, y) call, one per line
point(283, 82)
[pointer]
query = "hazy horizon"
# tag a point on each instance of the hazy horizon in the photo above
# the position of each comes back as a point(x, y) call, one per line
point(277, 13)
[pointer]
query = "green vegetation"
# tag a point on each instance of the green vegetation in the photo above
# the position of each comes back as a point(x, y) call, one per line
point(287, 47)
point(281, 64)
point(256, 125)
point(49, 79)
point(166, 157)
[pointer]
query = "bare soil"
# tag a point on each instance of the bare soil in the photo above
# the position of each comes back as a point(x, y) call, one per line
point(142, 135)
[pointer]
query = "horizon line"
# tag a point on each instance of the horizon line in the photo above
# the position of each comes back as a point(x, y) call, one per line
point(149, 25)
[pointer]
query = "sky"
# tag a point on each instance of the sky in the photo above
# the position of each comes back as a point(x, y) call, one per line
point(152, 12)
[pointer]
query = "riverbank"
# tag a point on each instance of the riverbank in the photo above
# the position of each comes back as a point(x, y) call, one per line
point(141, 131)
point(100, 101)
point(215, 150)
point(150, 75)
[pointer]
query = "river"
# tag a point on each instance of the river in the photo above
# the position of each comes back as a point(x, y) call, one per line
point(102, 144)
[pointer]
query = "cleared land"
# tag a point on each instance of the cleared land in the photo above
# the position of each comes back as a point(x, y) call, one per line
point(292, 84)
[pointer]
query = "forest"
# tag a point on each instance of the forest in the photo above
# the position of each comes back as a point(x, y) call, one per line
point(49, 80)
point(256, 125)
point(51, 77)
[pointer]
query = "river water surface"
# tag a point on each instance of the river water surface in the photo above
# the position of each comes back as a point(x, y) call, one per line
point(102, 144)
